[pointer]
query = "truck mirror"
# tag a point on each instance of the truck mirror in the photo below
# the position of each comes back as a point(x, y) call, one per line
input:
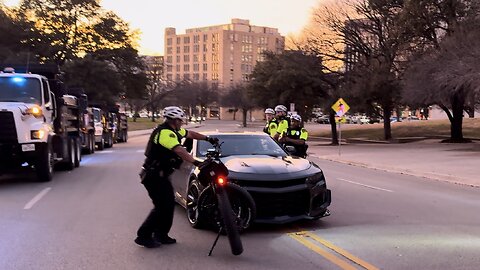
point(48, 106)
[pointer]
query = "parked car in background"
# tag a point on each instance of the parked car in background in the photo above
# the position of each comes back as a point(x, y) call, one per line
point(374, 119)
point(324, 119)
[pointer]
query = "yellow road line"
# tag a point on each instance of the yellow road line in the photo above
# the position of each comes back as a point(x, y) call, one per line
point(341, 251)
point(332, 258)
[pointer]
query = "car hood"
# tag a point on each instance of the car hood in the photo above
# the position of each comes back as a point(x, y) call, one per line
point(263, 164)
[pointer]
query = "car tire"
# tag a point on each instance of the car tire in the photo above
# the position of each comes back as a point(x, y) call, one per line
point(195, 216)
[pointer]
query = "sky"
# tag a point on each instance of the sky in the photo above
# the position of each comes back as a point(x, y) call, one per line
point(151, 17)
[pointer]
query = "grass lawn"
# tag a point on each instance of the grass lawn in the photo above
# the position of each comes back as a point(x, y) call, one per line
point(142, 123)
point(428, 128)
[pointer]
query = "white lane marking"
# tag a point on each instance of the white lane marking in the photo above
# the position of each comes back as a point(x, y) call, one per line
point(140, 151)
point(105, 151)
point(363, 185)
point(37, 198)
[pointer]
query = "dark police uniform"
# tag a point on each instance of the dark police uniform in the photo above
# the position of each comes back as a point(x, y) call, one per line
point(298, 133)
point(159, 164)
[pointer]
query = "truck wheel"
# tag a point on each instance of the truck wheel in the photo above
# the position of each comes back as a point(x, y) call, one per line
point(78, 152)
point(44, 164)
point(101, 144)
point(92, 143)
point(70, 158)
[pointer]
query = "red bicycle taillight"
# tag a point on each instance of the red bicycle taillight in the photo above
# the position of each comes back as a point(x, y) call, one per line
point(221, 180)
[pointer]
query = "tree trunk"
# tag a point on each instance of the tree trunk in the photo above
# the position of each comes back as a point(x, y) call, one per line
point(331, 118)
point(234, 114)
point(244, 113)
point(387, 127)
point(458, 103)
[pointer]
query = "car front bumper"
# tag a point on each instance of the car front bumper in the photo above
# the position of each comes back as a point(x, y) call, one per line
point(278, 205)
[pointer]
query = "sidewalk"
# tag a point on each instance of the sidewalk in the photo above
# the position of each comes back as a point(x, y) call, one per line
point(456, 163)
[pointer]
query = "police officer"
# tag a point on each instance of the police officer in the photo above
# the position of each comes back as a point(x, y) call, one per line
point(281, 118)
point(164, 154)
point(296, 136)
point(272, 124)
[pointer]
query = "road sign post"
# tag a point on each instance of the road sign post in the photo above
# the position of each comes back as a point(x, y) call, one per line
point(340, 107)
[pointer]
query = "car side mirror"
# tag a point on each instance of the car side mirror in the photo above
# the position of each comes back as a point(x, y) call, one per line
point(48, 106)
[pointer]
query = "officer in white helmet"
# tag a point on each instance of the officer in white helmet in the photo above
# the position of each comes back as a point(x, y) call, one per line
point(271, 125)
point(296, 136)
point(164, 154)
point(281, 118)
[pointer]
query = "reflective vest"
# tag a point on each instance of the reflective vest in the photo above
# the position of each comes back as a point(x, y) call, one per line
point(159, 152)
point(271, 127)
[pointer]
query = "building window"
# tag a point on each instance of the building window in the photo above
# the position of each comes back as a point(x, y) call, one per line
point(215, 37)
point(186, 68)
point(195, 58)
point(186, 40)
point(205, 48)
point(186, 77)
point(169, 77)
point(169, 41)
point(205, 67)
point(186, 49)
point(169, 68)
point(205, 38)
point(205, 76)
point(196, 48)
point(186, 58)
point(196, 77)
point(179, 40)
point(178, 58)
point(177, 77)
point(178, 49)
point(169, 59)
point(204, 58)
point(177, 68)
point(196, 67)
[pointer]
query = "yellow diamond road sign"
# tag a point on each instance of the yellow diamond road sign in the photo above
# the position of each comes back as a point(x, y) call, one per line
point(340, 107)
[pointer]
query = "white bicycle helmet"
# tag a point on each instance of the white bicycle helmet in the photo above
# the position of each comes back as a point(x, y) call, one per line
point(174, 112)
point(270, 111)
point(280, 108)
point(296, 117)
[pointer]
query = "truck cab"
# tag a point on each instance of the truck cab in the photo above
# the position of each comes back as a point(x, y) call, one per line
point(39, 128)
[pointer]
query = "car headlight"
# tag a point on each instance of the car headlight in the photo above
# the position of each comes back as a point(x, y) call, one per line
point(316, 179)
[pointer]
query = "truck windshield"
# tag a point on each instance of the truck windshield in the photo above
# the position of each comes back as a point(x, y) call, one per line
point(20, 89)
point(96, 115)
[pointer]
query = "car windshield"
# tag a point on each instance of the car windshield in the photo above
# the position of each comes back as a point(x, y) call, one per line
point(20, 89)
point(244, 145)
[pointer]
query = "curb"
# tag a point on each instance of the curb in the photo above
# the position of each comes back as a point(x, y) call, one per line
point(427, 175)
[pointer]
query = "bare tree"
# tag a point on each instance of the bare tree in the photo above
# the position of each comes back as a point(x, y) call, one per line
point(365, 34)
point(448, 75)
point(237, 96)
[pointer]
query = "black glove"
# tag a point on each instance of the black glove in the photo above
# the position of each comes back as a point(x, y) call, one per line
point(212, 140)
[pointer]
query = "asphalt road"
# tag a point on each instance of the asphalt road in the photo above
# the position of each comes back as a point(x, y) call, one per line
point(87, 219)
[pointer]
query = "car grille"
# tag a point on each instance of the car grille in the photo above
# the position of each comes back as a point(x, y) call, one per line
point(269, 183)
point(281, 204)
point(8, 132)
